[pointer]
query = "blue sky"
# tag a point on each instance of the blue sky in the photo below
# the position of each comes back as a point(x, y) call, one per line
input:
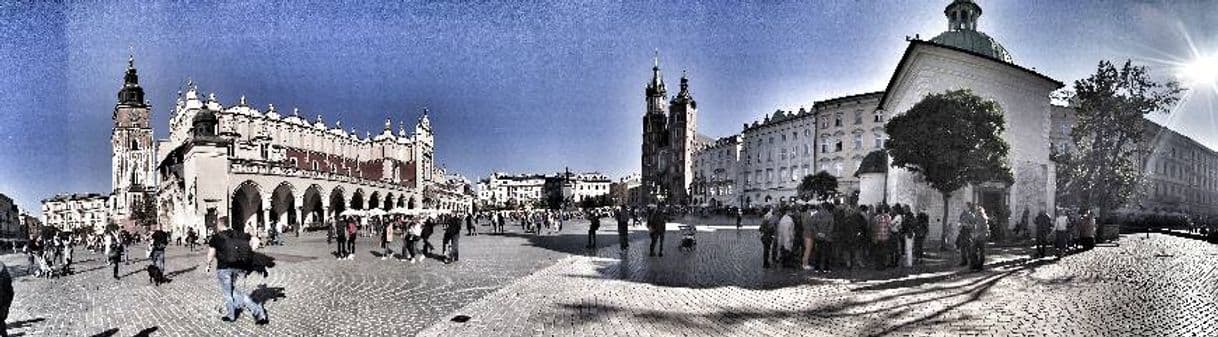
point(514, 86)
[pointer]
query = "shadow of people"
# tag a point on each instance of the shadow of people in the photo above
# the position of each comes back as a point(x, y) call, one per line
point(108, 333)
point(264, 294)
point(147, 332)
point(181, 271)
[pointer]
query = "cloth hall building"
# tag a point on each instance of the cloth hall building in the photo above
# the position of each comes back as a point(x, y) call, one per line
point(252, 168)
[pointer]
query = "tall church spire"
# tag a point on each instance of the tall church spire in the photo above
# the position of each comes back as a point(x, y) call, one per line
point(656, 86)
point(131, 93)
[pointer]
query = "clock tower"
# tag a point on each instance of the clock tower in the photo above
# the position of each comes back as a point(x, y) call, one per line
point(132, 150)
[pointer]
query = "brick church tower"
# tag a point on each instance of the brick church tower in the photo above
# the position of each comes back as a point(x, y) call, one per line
point(132, 151)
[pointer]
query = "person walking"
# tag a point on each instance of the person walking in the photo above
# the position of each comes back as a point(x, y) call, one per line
point(499, 218)
point(452, 238)
point(739, 219)
point(410, 245)
point(1043, 226)
point(623, 221)
point(1061, 227)
point(767, 231)
point(595, 224)
point(230, 250)
point(352, 233)
point(429, 227)
point(340, 237)
point(656, 221)
point(114, 250)
point(1087, 229)
point(160, 241)
point(469, 225)
point(386, 239)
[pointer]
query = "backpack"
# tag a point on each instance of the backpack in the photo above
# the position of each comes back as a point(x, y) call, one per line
point(236, 250)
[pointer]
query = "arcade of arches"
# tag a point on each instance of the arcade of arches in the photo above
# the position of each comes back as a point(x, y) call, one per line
point(254, 205)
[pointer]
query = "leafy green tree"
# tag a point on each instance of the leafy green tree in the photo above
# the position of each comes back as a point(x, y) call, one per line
point(821, 185)
point(951, 139)
point(1111, 106)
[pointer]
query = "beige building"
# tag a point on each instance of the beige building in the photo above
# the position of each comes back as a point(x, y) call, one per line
point(848, 128)
point(69, 212)
point(502, 189)
point(716, 170)
point(775, 154)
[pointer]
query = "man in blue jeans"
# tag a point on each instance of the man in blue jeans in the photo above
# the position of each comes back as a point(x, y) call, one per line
point(221, 249)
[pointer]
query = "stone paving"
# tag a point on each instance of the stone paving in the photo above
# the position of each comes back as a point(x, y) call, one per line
point(1156, 286)
point(308, 294)
point(550, 285)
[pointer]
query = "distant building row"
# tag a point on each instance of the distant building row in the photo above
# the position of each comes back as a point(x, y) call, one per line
point(537, 190)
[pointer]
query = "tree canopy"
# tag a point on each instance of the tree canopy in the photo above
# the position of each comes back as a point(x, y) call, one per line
point(821, 185)
point(951, 139)
point(1110, 106)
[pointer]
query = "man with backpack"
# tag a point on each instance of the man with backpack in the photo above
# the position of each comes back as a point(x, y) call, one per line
point(160, 240)
point(233, 256)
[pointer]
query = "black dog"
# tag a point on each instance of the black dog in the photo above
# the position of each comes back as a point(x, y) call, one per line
point(156, 276)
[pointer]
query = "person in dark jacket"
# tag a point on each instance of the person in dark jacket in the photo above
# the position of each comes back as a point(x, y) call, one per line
point(767, 230)
point(469, 225)
point(920, 231)
point(340, 236)
point(221, 250)
point(6, 297)
point(452, 239)
point(429, 227)
point(595, 219)
point(656, 221)
point(623, 221)
point(1043, 227)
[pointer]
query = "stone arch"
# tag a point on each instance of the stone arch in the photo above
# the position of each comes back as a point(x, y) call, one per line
point(283, 204)
point(357, 199)
point(401, 201)
point(388, 203)
point(410, 204)
point(246, 208)
point(338, 202)
point(374, 201)
point(311, 208)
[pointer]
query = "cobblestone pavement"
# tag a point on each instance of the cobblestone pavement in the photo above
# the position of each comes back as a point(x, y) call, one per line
point(1141, 286)
point(309, 294)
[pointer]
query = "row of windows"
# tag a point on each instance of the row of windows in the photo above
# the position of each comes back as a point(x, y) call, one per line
point(835, 145)
point(792, 173)
point(878, 117)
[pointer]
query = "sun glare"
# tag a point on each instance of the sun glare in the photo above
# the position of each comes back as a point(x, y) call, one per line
point(1200, 71)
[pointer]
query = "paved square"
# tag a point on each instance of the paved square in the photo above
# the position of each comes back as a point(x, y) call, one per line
point(524, 285)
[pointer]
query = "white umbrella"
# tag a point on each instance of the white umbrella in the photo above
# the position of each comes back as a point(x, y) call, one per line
point(352, 212)
point(376, 212)
point(400, 210)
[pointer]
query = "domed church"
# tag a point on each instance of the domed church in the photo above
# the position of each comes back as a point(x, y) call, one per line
point(965, 58)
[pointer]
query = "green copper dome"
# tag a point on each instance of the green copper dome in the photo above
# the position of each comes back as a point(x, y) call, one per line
point(962, 17)
point(974, 41)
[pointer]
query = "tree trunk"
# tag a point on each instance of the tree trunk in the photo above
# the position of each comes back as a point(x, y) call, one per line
point(943, 228)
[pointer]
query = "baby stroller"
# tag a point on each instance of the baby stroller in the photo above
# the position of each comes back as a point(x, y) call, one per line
point(688, 241)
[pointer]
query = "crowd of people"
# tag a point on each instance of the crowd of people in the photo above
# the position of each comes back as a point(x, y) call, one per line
point(823, 237)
